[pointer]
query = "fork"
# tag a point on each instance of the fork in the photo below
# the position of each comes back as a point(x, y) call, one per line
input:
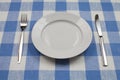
point(23, 25)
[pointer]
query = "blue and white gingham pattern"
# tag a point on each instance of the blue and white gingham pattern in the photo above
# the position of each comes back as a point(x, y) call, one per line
point(35, 66)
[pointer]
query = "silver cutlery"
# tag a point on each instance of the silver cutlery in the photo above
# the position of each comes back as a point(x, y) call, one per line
point(102, 48)
point(23, 25)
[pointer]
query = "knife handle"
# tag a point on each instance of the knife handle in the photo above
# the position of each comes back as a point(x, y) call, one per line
point(105, 63)
point(20, 48)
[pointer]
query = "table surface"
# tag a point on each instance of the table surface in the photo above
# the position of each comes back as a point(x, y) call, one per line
point(34, 65)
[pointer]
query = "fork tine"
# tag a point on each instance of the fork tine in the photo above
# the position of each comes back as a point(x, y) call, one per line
point(24, 18)
point(23, 21)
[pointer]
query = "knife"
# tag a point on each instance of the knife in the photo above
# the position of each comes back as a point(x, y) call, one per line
point(102, 48)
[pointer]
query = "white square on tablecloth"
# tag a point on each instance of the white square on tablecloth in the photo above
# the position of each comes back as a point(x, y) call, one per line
point(77, 63)
point(3, 15)
point(46, 63)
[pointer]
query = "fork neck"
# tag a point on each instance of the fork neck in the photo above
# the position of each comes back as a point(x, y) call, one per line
point(22, 28)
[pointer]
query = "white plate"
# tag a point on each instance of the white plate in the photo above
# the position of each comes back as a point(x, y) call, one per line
point(61, 35)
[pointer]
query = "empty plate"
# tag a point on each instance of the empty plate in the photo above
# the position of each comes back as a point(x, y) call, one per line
point(61, 35)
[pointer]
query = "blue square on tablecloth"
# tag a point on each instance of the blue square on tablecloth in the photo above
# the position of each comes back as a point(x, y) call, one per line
point(31, 74)
point(118, 74)
point(115, 48)
point(60, 6)
point(13, 16)
point(90, 24)
point(91, 51)
point(84, 6)
point(15, 6)
point(111, 26)
point(6, 49)
point(107, 6)
point(93, 75)
point(4, 74)
point(37, 6)
point(32, 51)
point(10, 26)
point(62, 75)
point(32, 23)
point(62, 64)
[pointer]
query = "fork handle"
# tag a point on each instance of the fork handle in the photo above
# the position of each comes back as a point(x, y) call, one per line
point(20, 47)
point(105, 63)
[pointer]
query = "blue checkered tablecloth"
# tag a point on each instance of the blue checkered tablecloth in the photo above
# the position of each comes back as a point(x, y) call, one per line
point(34, 65)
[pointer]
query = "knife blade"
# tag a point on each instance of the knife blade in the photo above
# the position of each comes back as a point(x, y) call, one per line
point(98, 26)
point(99, 31)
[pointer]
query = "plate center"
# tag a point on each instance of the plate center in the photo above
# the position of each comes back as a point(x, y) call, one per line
point(61, 35)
